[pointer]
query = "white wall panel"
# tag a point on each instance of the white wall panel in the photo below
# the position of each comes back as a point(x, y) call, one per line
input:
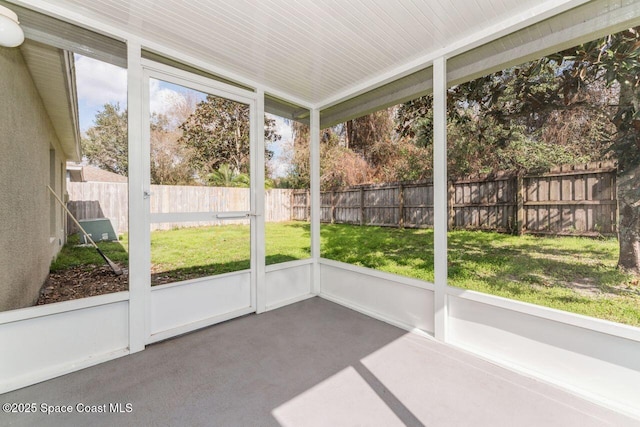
point(36, 349)
point(404, 302)
point(598, 365)
point(287, 284)
point(174, 306)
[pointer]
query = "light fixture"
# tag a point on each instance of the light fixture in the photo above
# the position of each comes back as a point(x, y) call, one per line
point(11, 34)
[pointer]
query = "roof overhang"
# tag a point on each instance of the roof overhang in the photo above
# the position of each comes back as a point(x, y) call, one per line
point(53, 74)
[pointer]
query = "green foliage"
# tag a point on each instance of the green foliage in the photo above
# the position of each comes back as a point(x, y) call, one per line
point(218, 132)
point(613, 58)
point(537, 155)
point(363, 132)
point(572, 107)
point(105, 144)
point(224, 176)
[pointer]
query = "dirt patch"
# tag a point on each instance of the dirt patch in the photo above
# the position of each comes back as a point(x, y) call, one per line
point(587, 286)
point(590, 288)
point(81, 282)
point(92, 280)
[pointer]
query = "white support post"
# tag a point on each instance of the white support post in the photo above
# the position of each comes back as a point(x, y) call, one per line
point(440, 195)
point(139, 233)
point(315, 199)
point(258, 220)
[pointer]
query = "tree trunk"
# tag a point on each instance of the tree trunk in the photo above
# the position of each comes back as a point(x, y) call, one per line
point(349, 134)
point(628, 179)
point(629, 219)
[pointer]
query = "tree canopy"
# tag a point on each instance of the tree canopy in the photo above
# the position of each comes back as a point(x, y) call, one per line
point(105, 144)
point(205, 142)
point(218, 133)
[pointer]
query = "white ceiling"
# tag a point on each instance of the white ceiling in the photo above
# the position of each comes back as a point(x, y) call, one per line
point(316, 52)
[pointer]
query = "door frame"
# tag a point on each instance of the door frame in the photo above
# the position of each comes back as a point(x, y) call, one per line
point(139, 186)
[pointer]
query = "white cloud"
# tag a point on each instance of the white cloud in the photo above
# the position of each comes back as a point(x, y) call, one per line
point(162, 99)
point(284, 129)
point(99, 82)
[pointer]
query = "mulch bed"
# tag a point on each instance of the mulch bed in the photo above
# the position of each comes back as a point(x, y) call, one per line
point(91, 280)
point(80, 282)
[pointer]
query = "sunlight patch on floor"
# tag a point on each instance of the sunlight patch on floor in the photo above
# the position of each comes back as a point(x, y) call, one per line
point(343, 399)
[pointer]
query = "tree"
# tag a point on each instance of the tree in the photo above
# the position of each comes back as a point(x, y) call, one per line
point(217, 132)
point(615, 58)
point(105, 144)
point(363, 132)
point(170, 160)
point(580, 104)
point(567, 81)
point(513, 121)
point(298, 156)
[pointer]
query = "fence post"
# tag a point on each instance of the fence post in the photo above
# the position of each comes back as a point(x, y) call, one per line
point(401, 206)
point(362, 222)
point(452, 200)
point(333, 206)
point(307, 206)
point(292, 198)
point(520, 213)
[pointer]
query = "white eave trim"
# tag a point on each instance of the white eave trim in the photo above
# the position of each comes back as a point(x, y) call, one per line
point(72, 97)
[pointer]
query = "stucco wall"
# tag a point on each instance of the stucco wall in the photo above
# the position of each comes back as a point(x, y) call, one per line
point(27, 244)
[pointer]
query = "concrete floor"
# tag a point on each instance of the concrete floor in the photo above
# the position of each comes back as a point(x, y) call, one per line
point(313, 363)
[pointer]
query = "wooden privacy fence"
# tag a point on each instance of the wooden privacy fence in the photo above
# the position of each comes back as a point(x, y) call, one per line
point(572, 200)
point(89, 200)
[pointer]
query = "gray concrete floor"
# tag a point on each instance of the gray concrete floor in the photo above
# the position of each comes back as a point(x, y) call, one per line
point(313, 363)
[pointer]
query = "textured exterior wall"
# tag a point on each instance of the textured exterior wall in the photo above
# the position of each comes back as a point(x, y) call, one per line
point(28, 242)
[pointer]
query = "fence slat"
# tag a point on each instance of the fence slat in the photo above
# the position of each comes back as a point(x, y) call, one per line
point(578, 200)
point(90, 200)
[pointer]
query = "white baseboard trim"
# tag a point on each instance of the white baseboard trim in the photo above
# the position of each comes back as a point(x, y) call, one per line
point(59, 370)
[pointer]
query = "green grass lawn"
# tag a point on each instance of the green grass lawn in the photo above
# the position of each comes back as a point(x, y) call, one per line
point(73, 255)
point(568, 273)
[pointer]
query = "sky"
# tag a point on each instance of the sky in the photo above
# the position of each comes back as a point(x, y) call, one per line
point(99, 83)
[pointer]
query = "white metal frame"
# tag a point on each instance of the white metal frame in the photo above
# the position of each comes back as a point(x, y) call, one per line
point(315, 199)
point(140, 193)
point(440, 211)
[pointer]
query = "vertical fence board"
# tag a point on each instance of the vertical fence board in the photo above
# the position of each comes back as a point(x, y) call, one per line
point(578, 200)
point(90, 200)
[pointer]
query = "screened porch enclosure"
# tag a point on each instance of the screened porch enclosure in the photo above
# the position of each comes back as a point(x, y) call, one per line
point(292, 343)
